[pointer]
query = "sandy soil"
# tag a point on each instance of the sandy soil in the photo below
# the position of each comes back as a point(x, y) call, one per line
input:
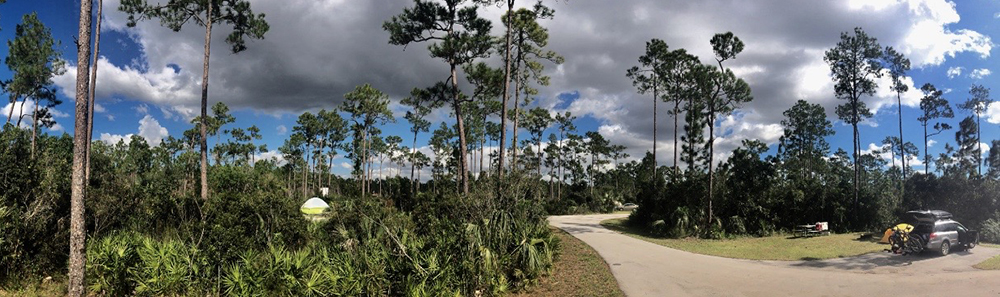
point(647, 269)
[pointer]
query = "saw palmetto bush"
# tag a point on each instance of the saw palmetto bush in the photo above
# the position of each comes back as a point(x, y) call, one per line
point(110, 261)
point(489, 243)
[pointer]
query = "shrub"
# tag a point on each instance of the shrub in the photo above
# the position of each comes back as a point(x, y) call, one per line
point(170, 267)
point(110, 260)
point(990, 231)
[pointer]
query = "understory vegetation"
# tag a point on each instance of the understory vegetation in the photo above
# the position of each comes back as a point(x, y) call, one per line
point(151, 235)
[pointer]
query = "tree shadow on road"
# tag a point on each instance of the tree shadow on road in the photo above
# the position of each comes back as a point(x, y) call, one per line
point(874, 260)
point(579, 228)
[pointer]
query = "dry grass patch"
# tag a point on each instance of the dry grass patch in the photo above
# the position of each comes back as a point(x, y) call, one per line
point(778, 247)
point(991, 263)
point(578, 271)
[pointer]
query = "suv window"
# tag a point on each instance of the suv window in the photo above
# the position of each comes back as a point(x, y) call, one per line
point(946, 227)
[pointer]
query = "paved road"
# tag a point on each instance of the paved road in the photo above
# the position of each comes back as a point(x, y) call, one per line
point(647, 269)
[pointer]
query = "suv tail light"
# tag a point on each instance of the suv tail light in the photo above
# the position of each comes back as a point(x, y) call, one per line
point(933, 235)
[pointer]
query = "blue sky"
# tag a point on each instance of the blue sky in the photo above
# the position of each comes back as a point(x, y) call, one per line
point(318, 50)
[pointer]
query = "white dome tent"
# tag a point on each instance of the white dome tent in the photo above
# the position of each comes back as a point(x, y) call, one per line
point(314, 206)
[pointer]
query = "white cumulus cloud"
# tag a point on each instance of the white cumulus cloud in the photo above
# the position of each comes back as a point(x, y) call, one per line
point(980, 73)
point(149, 129)
point(954, 72)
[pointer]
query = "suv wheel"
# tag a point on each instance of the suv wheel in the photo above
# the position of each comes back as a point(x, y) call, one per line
point(970, 245)
point(945, 248)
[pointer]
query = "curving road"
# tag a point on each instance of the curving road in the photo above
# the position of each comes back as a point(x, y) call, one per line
point(647, 269)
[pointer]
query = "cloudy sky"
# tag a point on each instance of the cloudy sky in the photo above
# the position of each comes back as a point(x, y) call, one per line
point(317, 50)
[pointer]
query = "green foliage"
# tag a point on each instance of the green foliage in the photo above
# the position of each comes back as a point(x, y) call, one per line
point(251, 213)
point(110, 262)
point(34, 60)
point(990, 230)
point(174, 14)
point(253, 242)
point(34, 204)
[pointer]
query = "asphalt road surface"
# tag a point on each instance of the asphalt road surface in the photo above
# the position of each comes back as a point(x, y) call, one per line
point(647, 269)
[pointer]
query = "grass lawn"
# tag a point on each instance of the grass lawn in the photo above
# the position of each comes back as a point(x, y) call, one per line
point(991, 263)
point(778, 247)
point(55, 287)
point(578, 271)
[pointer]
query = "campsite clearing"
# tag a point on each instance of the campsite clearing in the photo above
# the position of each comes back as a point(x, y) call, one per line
point(777, 247)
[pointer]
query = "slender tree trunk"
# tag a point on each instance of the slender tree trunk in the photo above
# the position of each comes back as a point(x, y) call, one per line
point(305, 172)
point(539, 144)
point(10, 113)
point(34, 131)
point(552, 182)
point(380, 176)
point(711, 158)
point(204, 106)
point(592, 174)
point(927, 156)
point(463, 162)
point(329, 170)
point(562, 174)
point(902, 144)
point(78, 188)
point(677, 111)
point(482, 152)
point(857, 155)
point(93, 86)
point(513, 140)
point(366, 186)
point(21, 117)
point(413, 162)
point(979, 139)
point(506, 88)
point(656, 97)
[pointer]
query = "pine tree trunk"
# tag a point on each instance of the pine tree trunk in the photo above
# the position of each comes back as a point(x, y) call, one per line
point(677, 111)
point(592, 156)
point(21, 117)
point(927, 156)
point(482, 144)
point(329, 169)
point(34, 131)
point(902, 144)
point(204, 106)
point(711, 157)
point(463, 162)
point(513, 140)
point(857, 156)
point(656, 97)
point(539, 163)
point(380, 176)
point(506, 88)
point(10, 113)
point(78, 188)
point(561, 172)
point(979, 139)
point(364, 164)
point(413, 161)
point(305, 173)
point(93, 88)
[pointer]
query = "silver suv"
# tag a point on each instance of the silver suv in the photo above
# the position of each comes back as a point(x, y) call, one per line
point(941, 233)
point(946, 235)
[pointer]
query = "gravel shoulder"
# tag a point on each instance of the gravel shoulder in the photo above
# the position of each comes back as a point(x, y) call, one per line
point(646, 269)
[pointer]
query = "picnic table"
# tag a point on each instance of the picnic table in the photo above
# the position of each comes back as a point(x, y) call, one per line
point(818, 228)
